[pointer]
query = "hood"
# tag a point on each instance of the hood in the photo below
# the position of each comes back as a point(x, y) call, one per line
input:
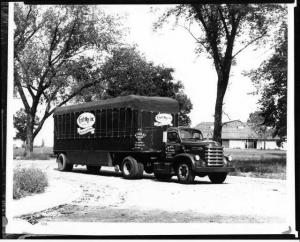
point(200, 143)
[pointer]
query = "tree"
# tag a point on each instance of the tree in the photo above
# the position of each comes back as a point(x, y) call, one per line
point(257, 122)
point(20, 124)
point(223, 31)
point(57, 51)
point(270, 80)
point(128, 72)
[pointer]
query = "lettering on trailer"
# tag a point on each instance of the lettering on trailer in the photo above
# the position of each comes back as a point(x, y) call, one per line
point(86, 121)
point(139, 144)
point(163, 119)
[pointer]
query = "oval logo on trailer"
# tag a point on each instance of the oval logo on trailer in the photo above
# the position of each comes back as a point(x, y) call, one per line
point(85, 120)
point(163, 119)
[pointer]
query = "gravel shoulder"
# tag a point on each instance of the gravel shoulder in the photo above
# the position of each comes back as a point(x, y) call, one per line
point(110, 198)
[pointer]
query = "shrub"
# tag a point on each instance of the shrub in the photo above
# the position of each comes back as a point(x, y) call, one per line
point(27, 181)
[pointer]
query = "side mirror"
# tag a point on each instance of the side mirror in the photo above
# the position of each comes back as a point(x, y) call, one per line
point(165, 137)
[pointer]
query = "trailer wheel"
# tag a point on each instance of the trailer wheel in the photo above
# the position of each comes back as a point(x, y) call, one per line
point(162, 177)
point(185, 173)
point(62, 163)
point(217, 178)
point(93, 169)
point(132, 169)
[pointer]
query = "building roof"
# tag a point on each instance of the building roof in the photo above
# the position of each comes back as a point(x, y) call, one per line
point(155, 104)
point(237, 130)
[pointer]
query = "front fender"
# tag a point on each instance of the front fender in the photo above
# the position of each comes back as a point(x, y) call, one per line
point(185, 157)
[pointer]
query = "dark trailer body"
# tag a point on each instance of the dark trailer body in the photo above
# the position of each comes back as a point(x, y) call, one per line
point(136, 134)
point(118, 126)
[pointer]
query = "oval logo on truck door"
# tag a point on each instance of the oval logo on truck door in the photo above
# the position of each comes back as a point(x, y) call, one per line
point(85, 121)
point(163, 119)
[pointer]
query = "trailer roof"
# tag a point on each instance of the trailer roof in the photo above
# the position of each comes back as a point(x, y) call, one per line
point(156, 104)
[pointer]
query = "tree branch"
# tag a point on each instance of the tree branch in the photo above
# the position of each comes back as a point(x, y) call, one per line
point(224, 23)
point(30, 90)
point(21, 92)
point(46, 113)
point(197, 40)
point(40, 125)
point(199, 14)
point(28, 86)
point(74, 94)
point(251, 42)
point(213, 45)
point(64, 50)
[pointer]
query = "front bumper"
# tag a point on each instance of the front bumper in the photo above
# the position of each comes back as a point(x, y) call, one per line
point(213, 169)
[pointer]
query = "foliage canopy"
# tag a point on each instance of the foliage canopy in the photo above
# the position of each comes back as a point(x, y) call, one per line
point(128, 72)
point(56, 52)
point(223, 31)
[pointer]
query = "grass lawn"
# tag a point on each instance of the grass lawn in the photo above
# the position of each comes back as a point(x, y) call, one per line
point(39, 153)
point(258, 163)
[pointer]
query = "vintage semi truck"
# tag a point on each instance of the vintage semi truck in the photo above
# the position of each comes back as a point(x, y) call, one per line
point(136, 134)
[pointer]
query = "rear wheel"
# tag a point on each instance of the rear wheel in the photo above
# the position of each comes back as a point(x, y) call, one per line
point(93, 169)
point(217, 178)
point(162, 177)
point(132, 169)
point(185, 173)
point(62, 163)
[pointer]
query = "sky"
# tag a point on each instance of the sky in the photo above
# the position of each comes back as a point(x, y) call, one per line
point(175, 48)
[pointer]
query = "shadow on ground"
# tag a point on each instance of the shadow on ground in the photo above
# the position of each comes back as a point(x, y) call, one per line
point(145, 176)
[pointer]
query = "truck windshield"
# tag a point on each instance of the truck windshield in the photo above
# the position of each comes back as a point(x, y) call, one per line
point(191, 134)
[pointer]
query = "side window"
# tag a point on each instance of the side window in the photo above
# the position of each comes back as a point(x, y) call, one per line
point(173, 137)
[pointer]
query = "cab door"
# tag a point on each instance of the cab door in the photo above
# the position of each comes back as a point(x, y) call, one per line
point(172, 145)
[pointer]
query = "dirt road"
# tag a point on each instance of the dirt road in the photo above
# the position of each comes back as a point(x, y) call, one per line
point(110, 198)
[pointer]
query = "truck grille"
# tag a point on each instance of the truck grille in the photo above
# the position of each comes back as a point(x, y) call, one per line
point(214, 155)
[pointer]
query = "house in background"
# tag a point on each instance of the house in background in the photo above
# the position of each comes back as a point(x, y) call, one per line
point(236, 134)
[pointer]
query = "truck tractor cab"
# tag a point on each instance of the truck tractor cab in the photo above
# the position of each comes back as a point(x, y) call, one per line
point(191, 155)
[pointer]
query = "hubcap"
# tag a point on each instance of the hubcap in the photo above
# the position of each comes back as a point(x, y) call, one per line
point(127, 168)
point(183, 171)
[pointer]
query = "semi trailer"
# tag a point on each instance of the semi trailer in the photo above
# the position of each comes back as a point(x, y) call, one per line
point(136, 134)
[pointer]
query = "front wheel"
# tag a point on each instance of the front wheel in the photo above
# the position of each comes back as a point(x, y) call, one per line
point(132, 169)
point(185, 173)
point(62, 163)
point(217, 178)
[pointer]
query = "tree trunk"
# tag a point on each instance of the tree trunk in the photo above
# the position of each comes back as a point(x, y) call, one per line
point(29, 135)
point(222, 86)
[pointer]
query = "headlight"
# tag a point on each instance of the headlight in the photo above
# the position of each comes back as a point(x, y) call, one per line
point(229, 158)
point(197, 157)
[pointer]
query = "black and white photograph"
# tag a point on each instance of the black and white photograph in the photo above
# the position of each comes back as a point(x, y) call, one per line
point(150, 119)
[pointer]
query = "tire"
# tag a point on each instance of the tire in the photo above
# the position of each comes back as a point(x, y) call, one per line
point(217, 178)
point(132, 169)
point(93, 169)
point(185, 173)
point(162, 177)
point(62, 163)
